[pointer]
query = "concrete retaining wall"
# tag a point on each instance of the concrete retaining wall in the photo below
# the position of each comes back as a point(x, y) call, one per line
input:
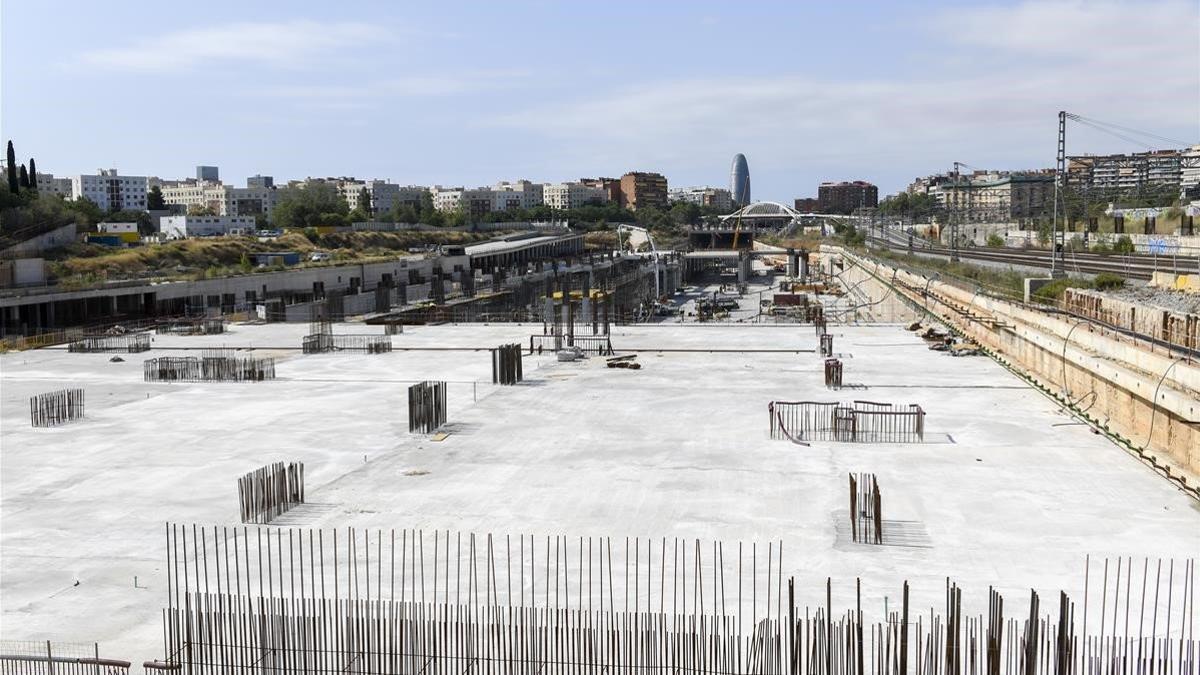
point(1142, 395)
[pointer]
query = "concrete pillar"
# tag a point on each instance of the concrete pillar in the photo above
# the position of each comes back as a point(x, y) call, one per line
point(793, 263)
point(743, 267)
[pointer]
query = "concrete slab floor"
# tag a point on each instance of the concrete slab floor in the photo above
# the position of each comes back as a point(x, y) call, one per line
point(1007, 490)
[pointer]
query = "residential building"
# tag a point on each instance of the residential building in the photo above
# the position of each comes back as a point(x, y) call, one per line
point(208, 173)
point(996, 197)
point(257, 181)
point(572, 195)
point(1189, 174)
point(641, 189)
point(47, 184)
point(531, 194)
point(110, 190)
point(807, 205)
point(611, 187)
point(846, 196)
point(182, 227)
point(1114, 175)
point(716, 198)
point(222, 200)
point(446, 198)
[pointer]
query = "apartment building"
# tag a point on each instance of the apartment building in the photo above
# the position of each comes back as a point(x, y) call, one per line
point(111, 191)
point(846, 196)
point(642, 189)
point(1125, 174)
point(993, 197)
point(223, 200)
point(717, 198)
point(1189, 174)
point(530, 193)
point(47, 184)
point(572, 195)
point(611, 187)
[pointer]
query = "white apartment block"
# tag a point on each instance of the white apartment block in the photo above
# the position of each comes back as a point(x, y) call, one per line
point(182, 227)
point(531, 194)
point(572, 195)
point(447, 199)
point(718, 198)
point(382, 195)
point(111, 191)
point(47, 184)
point(1189, 174)
point(224, 200)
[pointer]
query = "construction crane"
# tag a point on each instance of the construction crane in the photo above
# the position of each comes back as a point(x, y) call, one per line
point(641, 232)
point(737, 227)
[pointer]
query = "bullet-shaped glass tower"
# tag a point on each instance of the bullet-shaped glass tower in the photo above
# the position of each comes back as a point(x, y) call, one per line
point(739, 180)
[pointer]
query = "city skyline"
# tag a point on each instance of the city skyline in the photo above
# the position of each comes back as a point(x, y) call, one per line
point(300, 90)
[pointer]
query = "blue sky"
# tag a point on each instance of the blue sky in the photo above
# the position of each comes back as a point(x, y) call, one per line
point(473, 92)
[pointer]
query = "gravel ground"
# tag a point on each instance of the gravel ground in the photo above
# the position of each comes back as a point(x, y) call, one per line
point(1176, 301)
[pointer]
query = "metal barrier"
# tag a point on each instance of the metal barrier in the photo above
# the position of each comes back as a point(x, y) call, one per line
point(600, 345)
point(57, 658)
point(863, 422)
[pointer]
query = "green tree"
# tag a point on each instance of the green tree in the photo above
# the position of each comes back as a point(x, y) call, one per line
point(32, 175)
point(154, 199)
point(426, 202)
point(201, 210)
point(404, 213)
point(13, 187)
point(308, 206)
point(685, 213)
point(89, 212)
point(24, 180)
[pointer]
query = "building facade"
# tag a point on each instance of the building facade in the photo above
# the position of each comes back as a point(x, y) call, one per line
point(572, 195)
point(529, 194)
point(739, 180)
point(996, 197)
point(642, 189)
point(716, 198)
point(611, 187)
point(807, 205)
point(47, 184)
point(111, 191)
point(182, 227)
point(1114, 175)
point(846, 196)
point(222, 200)
point(1189, 174)
point(211, 174)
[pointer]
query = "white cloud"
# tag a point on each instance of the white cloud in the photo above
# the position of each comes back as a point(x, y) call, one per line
point(445, 83)
point(991, 93)
point(286, 44)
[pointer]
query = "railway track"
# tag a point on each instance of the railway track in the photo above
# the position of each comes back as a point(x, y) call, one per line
point(1131, 266)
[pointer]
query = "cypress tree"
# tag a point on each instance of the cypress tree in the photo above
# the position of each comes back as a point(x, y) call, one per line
point(12, 169)
point(24, 178)
point(32, 175)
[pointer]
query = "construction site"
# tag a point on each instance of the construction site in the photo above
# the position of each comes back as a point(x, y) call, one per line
point(847, 467)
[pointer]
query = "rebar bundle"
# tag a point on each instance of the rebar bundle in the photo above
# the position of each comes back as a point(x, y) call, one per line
point(327, 342)
point(426, 406)
point(270, 491)
point(130, 343)
point(274, 600)
point(56, 407)
point(506, 364)
point(861, 422)
point(826, 344)
point(866, 509)
point(833, 373)
point(208, 369)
